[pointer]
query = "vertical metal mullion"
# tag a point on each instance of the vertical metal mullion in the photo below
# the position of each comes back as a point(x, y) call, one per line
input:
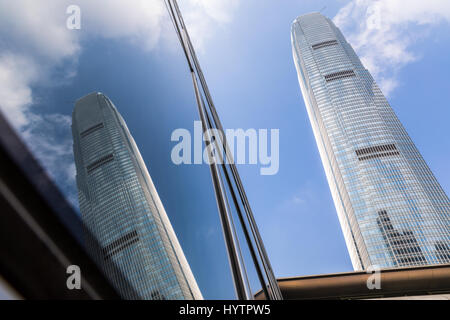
point(276, 293)
point(222, 204)
point(239, 213)
point(221, 196)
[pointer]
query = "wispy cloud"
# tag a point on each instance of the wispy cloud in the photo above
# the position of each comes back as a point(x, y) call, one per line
point(299, 201)
point(203, 17)
point(50, 140)
point(16, 74)
point(383, 32)
point(35, 45)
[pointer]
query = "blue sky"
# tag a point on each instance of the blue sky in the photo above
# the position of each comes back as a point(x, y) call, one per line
point(130, 53)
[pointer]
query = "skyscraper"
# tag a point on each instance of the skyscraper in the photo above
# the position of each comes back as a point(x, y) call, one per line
point(122, 210)
point(392, 211)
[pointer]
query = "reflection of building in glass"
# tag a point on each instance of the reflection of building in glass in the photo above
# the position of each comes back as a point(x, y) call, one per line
point(379, 181)
point(442, 250)
point(403, 247)
point(120, 206)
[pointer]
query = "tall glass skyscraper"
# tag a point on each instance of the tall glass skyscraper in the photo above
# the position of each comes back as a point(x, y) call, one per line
point(135, 244)
point(392, 211)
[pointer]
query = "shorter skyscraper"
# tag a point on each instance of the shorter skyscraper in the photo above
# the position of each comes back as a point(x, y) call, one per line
point(121, 208)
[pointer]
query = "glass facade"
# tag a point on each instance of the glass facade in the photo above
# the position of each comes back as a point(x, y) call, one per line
point(122, 210)
point(392, 211)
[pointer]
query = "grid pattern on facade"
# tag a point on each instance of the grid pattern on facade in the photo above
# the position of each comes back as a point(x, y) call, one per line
point(339, 75)
point(324, 44)
point(377, 152)
point(156, 295)
point(99, 162)
point(403, 246)
point(91, 129)
point(353, 122)
point(379, 155)
point(376, 149)
point(120, 244)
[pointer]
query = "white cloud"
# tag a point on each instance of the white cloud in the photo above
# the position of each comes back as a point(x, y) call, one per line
point(35, 45)
point(219, 10)
point(37, 27)
point(203, 17)
point(380, 31)
point(35, 40)
point(16, 75)
point(140, 21)
point(50, 140)
point(300, 199)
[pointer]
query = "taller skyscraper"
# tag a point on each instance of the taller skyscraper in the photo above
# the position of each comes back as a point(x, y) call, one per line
point(392, 211)
point(122, 210)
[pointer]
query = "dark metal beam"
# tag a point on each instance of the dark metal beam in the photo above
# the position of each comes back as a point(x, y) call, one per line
point(40, 234)
point(394, 283)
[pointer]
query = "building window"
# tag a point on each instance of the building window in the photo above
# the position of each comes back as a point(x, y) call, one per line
point(339, 75)
point(385, 150)
point(324, 44)
point(120, 244)
point(98, 163)
point(91, 129)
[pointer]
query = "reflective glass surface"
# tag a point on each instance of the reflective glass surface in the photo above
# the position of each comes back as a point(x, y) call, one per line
point(120, 206)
